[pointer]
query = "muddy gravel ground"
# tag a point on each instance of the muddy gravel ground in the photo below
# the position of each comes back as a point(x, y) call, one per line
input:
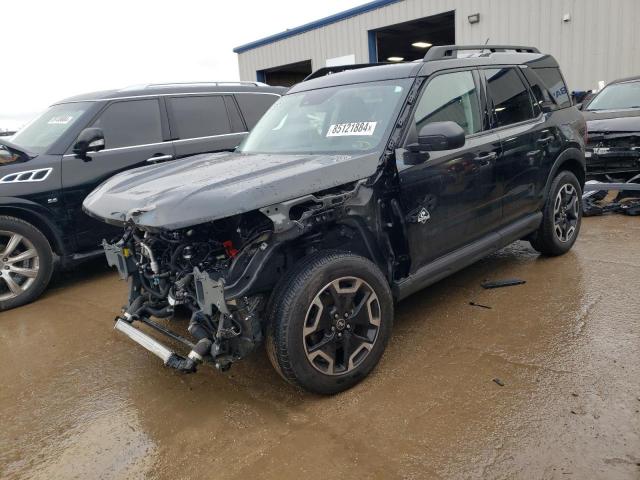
point(79, 400)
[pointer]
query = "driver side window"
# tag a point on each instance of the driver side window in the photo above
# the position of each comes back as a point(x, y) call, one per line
point(450, 97)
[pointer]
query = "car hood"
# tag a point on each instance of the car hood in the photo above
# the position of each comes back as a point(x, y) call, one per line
point(16, 149)
point(613, 120)
point(207, 187)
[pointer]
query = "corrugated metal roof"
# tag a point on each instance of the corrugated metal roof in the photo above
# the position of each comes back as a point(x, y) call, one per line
point(315, 24)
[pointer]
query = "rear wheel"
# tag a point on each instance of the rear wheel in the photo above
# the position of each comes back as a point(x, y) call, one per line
point(562, 216)
point(329, 324)
point(26, 262)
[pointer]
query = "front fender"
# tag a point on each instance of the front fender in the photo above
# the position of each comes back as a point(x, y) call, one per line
point(38, 215)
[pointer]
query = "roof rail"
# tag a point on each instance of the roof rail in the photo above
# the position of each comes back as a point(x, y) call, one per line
point(237, 82)
point(321, 72)
point(442, 52)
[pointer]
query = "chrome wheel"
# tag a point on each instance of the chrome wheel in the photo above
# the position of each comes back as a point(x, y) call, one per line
point(19, 264)
point(341, 326)
point(565, 212)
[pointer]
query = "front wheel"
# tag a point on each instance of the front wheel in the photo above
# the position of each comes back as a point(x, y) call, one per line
point(329, 324)
point(562, 216)
point(26, 262)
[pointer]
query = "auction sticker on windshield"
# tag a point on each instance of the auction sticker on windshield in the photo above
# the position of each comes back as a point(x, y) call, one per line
point(352, 128)
point(60, 120)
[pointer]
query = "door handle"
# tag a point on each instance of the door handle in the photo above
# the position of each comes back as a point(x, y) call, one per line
point(544, 140)
point(159, 158)
point(484, 159)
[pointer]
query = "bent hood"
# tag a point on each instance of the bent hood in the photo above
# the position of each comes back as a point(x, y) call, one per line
point(613, 120)
point(207, 187)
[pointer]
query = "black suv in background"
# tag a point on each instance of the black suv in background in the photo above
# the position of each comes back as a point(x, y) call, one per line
point(613, 125)
point(354, 190)
point(49, 166)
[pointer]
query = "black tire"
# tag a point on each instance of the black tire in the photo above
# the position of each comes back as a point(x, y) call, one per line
point(294, 300)
point(41, 265)
point(547, 240)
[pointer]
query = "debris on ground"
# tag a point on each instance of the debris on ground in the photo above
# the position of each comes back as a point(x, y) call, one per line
point(499, 382)
point(503, 283)
point(600, 198)
point(474, 304)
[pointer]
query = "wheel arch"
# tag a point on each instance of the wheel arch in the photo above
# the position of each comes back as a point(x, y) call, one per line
point(347, 235)
point(572, 160)
point(51, 232)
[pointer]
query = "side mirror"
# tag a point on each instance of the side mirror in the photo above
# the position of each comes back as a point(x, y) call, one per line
point(433, 137)
point(438, 136)
point(89, 140)
point(579, 106)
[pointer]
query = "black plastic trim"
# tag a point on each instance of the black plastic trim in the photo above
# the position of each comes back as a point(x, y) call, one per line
point(465, 256)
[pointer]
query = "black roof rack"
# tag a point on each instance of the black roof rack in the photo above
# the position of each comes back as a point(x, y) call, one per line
point(321, 72)
point(443, 52)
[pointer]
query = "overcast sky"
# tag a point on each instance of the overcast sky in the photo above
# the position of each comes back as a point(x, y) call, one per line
point(52, 49)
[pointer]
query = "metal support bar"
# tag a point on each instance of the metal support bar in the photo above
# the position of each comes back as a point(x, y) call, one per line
point(144, 340)
point(167, 332)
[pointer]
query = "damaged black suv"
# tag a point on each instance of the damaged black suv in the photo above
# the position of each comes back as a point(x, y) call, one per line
point(356, 189)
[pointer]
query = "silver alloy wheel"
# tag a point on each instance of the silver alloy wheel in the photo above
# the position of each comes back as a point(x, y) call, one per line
point(19, 264)
point(341, 326)
point(566, 213)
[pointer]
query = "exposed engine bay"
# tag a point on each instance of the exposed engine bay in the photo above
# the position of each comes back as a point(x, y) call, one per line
point(183, 269)
point(221, 272)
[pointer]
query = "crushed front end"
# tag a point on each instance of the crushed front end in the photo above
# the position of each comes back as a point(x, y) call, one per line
point(222, 272)
point(207, 271)
point(613, 153)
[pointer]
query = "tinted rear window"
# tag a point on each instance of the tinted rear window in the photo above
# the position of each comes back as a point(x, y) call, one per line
point(552, 79)
point(199, 116)
point(234, 115)
point(511, 99)
point(254, 105)
point(539, 90)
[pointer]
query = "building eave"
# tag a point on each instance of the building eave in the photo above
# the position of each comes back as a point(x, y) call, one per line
point(367, 7)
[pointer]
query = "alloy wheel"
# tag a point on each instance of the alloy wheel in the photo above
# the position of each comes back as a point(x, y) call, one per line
point(341, 326)
point(19, 264)
point(565, 212)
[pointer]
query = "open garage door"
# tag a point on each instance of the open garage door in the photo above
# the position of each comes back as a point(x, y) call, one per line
point(410, 40)
point(285, 75)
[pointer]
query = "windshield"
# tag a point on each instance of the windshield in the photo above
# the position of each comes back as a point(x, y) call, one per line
point(345, 119)
point(42, 132)
point(617, 96)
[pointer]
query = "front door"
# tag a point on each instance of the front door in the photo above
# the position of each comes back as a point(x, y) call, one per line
point(451, 199)
point(133, 132)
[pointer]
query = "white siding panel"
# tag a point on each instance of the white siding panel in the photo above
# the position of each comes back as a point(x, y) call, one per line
point(601, 42)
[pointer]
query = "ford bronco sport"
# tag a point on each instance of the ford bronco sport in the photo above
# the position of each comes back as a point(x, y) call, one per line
point(356, 189)
point(51, 165)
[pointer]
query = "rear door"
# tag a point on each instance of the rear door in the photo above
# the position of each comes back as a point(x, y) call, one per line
point(204, 123)
point(135, 133)
point(451, 199)
point(525, 137)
